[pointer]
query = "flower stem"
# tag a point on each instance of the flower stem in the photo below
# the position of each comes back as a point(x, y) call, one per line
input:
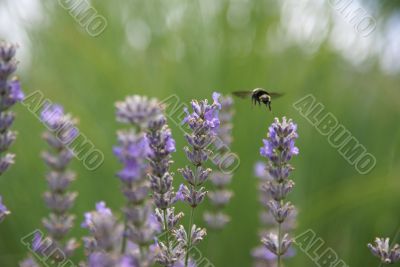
point(396, 235)
point(189, 246)
point(124, 238)
point(166, 230)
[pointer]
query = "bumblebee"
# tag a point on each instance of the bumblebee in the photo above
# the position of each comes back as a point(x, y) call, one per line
point(259, 96)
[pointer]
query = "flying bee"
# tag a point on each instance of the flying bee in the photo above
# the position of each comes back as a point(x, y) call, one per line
point(259, 96)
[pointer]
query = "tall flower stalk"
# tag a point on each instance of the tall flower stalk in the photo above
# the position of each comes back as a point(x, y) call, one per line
point(262, 256)
point(162, 145)
point(133, 149)
point(203, 123)
point(220, 195)
point(279, 148)
point(61, 131)
point(10, 94)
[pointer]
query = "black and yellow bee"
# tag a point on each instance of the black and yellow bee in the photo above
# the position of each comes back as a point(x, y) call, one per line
point(259, 96)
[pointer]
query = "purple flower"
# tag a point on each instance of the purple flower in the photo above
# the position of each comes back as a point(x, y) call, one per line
point(134, 151)
point(28, 262)
point(10, 94)
point(138, 110)
point(220, 197)
point(106, 232)
point(260, 170)
point(16, 94)
point(386, 253)
point(275, 185)
point(204, 124)
point(6, 162)
point(52, 115)
point(204, 118)
point(58, 199)
point(162, 145)
point(281, 137)
point(3, 210)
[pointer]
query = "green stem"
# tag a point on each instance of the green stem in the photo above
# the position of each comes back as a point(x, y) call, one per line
point(189, 246)
point(123, 247)
point(166, 230)
point(396, 235)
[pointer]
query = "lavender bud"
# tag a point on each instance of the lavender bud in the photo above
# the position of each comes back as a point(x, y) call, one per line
point(58, 226)
point(279, 191)
point(181, 235)
point(104, 228)
point(138, 110)
point(198, 234)
point(280, 212)
point(197, 157)
point(5, 162)
point(60, 203)
point(220, 198)
point(192, 197)
point(220, 179)
point(382, 250)
point(172, 218)
point(216, 220)
point(188, 174)
point(6, 120)
point(6, 139)
point(3, 210)
point(272, 244)
point(29, 262)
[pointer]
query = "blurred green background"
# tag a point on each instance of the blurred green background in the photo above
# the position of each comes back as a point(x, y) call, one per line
point(191, 48)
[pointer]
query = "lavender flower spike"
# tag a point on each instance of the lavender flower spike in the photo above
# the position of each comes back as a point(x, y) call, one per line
point(132, 151)
point(58, 199)
point(10, 94)
point(103, 245)
point(161, 179)
point(203, 123)
point(279, 148)
point(216, 218)
point(261, 254)
point(386, 253)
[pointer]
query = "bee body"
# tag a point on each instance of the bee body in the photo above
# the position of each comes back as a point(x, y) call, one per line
point(259, 96)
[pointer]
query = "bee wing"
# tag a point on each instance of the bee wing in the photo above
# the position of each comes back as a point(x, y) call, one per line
point(275, 95)
point(242, 94)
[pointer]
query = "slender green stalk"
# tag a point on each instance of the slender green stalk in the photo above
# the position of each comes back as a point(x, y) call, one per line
point(189, 246)
point(396, 235)
point(166, 228)
point(123, 247)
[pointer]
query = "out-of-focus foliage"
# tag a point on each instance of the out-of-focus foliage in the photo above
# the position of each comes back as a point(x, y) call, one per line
point(191, 48)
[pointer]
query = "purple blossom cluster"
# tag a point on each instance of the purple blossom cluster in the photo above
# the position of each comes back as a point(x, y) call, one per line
point(58, 199)
point(103, 246)
point(386, 253)
point(203, 123)
point(220, 195)
point(279, 147)
point(141, 224)
point(150, 232)
point(10, 94)
point(162, 145)
point(262, 256)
